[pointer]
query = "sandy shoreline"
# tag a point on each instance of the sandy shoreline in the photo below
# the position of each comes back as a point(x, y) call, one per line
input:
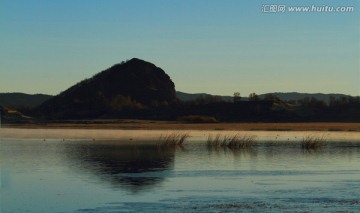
point(175, 125)
point(153, 135)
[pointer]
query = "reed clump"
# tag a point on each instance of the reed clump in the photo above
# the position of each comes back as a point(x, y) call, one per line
point(173, 139)
point(232, 142)
point(313, 142)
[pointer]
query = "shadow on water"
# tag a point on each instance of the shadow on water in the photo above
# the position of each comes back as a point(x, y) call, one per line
point(135, 168)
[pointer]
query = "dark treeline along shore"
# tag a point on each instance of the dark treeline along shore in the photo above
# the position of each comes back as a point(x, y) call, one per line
point(136, 89)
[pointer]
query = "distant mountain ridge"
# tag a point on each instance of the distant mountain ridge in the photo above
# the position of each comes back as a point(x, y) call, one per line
point(28, 100)
point(183, 96)
point(17, 99)
point(286, 96)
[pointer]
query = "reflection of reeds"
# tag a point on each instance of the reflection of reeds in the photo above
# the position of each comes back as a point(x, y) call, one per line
point(173, 139)
point(313, 142)
point(232, 142)
point(213, 141)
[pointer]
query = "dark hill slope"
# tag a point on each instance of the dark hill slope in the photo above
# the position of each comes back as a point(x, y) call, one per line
point(132, 84)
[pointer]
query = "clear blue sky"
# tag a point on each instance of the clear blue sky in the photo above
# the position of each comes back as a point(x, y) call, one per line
point(213, 46)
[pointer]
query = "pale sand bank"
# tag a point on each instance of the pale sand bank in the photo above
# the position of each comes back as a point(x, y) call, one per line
point(154, 135)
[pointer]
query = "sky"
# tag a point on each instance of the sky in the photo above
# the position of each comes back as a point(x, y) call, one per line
point(213, 46)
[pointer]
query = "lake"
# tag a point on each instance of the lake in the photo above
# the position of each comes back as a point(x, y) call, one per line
point(59, 175)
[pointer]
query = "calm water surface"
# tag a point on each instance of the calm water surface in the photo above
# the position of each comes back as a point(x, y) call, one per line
point(82, 176)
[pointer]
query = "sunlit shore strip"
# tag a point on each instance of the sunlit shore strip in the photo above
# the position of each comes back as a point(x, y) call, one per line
point(175, 125)
point(134, 136)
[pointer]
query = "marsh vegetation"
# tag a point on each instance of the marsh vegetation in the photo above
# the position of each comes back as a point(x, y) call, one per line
point(173, 139)
point(232, 142)
point(313, 142)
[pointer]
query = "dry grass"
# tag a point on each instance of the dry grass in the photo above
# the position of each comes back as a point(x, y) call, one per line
point(313, 142)
point(232, 142)
point(173, 139)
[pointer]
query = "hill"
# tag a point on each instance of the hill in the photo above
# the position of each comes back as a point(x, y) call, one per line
point(130, 85)
point(137, 89)
point(18, 100)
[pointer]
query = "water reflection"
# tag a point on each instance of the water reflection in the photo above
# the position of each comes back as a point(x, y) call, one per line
point(248, 152)
point(65, 175)
point(342, 151)
point(136, 168)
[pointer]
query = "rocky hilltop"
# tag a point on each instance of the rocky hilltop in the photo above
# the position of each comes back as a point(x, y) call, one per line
point(134, 84)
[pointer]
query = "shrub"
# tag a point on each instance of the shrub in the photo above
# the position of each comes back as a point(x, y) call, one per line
point(198, 119)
